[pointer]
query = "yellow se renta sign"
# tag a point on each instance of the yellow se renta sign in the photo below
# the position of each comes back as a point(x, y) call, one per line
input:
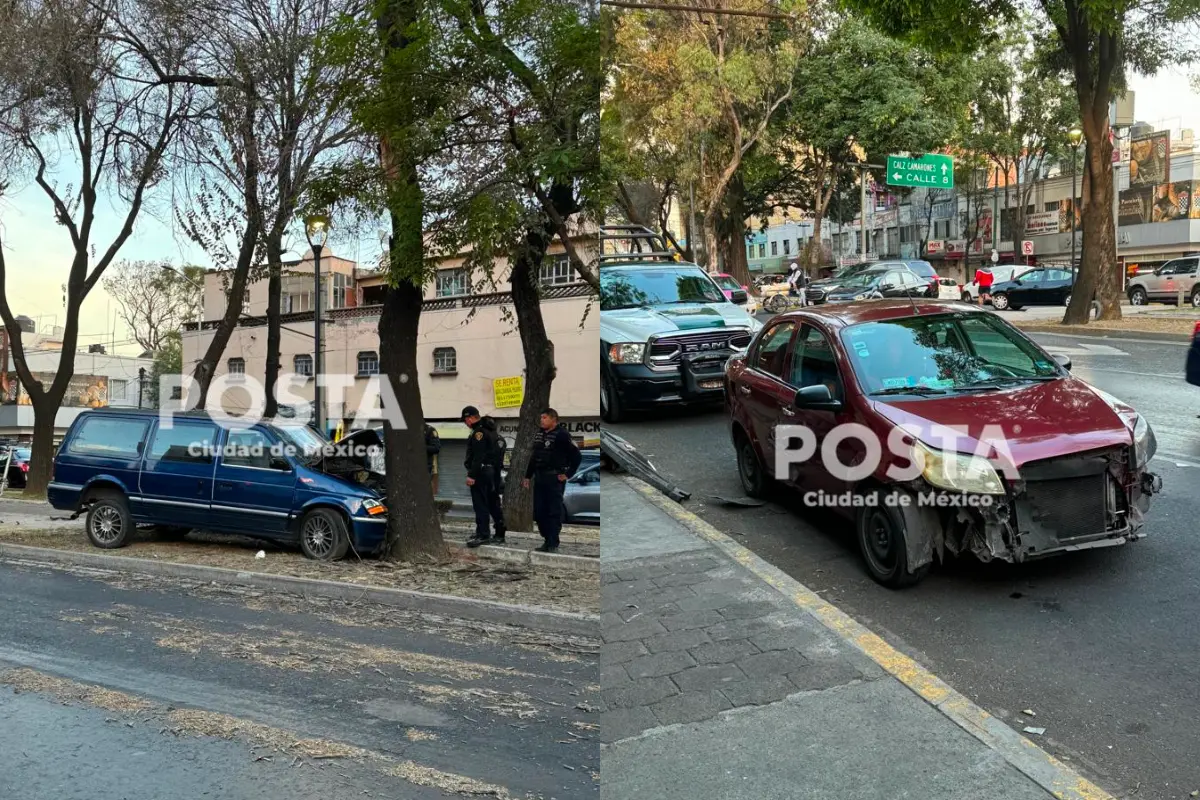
point(508, 392)
point(932, 170)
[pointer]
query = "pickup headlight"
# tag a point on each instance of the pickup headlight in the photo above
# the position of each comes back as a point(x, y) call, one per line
point(627, 353)
point(959, 472)
point(1144, 443)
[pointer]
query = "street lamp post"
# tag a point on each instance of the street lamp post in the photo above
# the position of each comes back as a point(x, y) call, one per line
point(1074, 136)
point(316, 226)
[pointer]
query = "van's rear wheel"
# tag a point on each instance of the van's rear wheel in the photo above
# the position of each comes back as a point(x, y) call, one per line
point(883, 540)
point(109, 525)
point(323, 535)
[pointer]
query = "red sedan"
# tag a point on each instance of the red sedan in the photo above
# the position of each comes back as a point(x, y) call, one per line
point(937, 428)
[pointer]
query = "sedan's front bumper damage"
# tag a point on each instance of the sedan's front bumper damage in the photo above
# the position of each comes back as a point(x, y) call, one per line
point(1059, 507)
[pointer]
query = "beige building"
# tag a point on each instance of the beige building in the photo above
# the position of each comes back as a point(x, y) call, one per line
point(469, 350)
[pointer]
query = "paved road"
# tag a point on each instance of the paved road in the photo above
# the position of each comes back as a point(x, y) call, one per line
point(203, 684)
point(1102, 645)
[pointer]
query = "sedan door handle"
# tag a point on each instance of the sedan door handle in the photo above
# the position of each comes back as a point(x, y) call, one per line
point(744, 389)
point(787, 412)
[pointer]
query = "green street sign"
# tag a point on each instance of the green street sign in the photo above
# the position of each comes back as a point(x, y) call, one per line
point(931, 170)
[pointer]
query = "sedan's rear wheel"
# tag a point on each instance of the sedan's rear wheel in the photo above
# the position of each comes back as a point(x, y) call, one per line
point(966, 297)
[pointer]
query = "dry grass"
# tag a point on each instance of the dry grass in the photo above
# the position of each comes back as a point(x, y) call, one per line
point(1140, 323)
point(446, 781)
point(66, 691)
point(502, 704)
point(464, 576)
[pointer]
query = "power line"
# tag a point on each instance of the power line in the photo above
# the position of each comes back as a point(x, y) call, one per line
point(698, 9)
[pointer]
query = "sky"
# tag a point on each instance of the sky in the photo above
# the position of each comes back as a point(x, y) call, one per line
point(38, 251)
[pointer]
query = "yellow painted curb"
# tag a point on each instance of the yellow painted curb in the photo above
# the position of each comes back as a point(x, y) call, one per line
point(1032, 761)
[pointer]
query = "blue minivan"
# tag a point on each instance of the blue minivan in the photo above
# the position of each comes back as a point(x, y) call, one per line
point(273, 480)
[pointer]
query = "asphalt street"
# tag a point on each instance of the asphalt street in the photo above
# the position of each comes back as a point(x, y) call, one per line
point(1101, 645)
point(143, 688)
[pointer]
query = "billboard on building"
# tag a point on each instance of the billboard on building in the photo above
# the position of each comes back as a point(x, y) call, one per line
point(1166, 202)
point(84, 391)
point(1150, 159)
point(1041, 223)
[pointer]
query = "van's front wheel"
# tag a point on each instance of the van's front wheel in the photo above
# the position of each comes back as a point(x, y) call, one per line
point(109, 525)
point(323, 535)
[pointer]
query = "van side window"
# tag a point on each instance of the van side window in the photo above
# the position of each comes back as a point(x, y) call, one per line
point(189, 443)
point(247, 449)
point(113, 438)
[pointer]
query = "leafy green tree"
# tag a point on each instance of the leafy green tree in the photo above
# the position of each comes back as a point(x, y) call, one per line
point(1093, 41)
point(168, 360)
point(861, 92)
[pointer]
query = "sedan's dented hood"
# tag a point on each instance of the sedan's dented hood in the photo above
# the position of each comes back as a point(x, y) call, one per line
point(1037, 421)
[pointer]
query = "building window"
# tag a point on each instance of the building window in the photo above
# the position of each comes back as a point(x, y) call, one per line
point(787, 246)
point(341, 290)
point(749, 251)
point(117, 389)
point(1051, 206)
point(295, 303)
point(762, 250)
point(368, 363)
point(445, 360)
point(303, 365)
point(774, 248)
point(237, 366)
point(557, 271)
point(451, 282)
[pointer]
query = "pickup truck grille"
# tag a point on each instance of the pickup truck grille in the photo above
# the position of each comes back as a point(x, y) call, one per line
point(666, 350)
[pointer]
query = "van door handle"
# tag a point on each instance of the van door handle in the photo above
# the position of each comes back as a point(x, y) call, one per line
point(223, 485)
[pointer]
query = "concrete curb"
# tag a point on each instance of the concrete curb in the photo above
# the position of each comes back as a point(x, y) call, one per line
point(536, 559)
point(1039, 766)
point(543, 619)
point(1083, 331)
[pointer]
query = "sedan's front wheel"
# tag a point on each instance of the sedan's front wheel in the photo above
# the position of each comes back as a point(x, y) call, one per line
point(883, 541)
point(1000, 302)
point(755, 480)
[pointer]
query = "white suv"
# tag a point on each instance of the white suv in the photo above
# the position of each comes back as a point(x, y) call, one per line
point(1000, 274)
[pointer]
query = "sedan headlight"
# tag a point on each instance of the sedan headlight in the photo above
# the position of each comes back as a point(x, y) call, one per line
point(627, 353)
point(1144, 443)
point(959, 472)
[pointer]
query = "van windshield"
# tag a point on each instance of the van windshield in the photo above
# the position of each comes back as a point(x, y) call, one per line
point(302, 437)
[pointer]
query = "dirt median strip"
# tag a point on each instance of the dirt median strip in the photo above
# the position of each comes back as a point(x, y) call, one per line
point(201, 723)
point(1173, 329)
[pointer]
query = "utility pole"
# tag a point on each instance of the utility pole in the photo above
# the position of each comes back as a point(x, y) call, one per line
point(141, 385)
point(862, 188)
point(996, 212)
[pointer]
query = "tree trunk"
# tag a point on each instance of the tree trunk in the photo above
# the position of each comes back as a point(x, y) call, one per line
point(207, 366)
point(414, 529)
point(274, 309)
point(540, 370)
point(1099, 274)
point(734, 245)
point(41, 465)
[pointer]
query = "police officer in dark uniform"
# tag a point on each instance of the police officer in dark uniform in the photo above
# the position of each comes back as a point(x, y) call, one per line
point(555, 459)
point(483, 463)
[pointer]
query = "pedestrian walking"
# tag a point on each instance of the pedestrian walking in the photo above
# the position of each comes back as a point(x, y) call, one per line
point(433, 446)
point(484, 461)
point(555, 459)
point(983, 279)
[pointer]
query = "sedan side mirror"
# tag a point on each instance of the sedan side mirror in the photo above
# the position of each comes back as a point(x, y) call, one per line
point(817, 398)
point(887, 287)
point(738, 296)
point(1064, 360)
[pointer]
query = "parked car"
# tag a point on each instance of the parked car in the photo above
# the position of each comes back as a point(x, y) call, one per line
point(581, 497)
point(735, 292)
point(819, 290)
point(1000, 274)
point(923, 269)
point(18, 467)
point(1041, 286)
point(880, 283)
point(666, 331)
point(948, 289)
point(1192, 370)
point(1079, 479)
point(272, 480)
point(767, 280)
point(1163, 285)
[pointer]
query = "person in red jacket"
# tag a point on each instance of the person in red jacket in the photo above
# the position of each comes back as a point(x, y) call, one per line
point(983, 278)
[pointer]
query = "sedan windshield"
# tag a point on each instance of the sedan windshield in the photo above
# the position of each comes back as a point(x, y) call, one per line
point(943, 353)
point(861, 280)
point(726, 282)
point(628, 288)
